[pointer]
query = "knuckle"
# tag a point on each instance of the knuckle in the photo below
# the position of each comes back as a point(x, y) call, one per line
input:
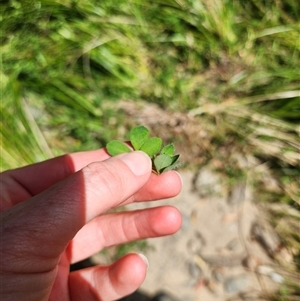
point(99, 176)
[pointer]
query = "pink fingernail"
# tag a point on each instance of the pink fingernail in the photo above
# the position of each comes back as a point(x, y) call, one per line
point(145, 259)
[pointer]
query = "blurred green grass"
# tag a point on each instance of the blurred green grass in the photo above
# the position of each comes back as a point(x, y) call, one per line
point(237, 62)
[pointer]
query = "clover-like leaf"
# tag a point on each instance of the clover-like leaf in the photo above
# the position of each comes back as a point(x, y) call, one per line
point(161, 162)
point(175, 158)
point(138, 136)
point(168, 150)
point(173, 166)
point(152, 146)
point(163, 159)
point(116, 147)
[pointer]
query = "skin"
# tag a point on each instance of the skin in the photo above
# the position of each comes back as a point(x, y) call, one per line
point(54, 214)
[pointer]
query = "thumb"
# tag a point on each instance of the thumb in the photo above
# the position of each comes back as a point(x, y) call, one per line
point(42, 226)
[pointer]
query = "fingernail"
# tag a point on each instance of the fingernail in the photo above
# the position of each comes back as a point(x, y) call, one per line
point(144, 259)
point(138, 162)
point(180, 177)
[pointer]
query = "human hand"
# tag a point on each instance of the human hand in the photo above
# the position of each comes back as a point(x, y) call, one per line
point(52, 215)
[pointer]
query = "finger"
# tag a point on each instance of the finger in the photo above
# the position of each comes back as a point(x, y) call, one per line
point(53, 217)
point(117, 228)
point(108, 283)
point(159, 187)
point(35, 178)
point(26, 182)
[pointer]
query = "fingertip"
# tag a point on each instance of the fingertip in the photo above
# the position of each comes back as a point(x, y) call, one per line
point(179, 176)
point(170, 220)
point(165, 185)
point(129, 272)
point(176, 181)
point(175, 178)
point(174, 218)
point(111, 282)
point(138, 162)
point(144, 258)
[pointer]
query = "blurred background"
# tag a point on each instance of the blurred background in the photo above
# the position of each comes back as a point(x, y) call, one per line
point(218, 78)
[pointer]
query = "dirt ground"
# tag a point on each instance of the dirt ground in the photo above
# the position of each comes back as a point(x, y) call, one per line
point(226, 249)
point(223, 250)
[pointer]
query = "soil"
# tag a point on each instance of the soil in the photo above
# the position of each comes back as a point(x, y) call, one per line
point(223, 250)
point(226, 249)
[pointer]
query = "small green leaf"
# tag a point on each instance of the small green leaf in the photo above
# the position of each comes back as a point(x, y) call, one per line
point(161, 162)
point(168, 150)
point(173, 166)
point(138, 136)
point(163, 159)
point(152, 146)
point(175, 158)
point(116, 147)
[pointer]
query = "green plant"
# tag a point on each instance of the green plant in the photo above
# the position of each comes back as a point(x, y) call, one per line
point(163, 159)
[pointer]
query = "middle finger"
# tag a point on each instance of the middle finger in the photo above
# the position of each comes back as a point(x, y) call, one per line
point(117, 228)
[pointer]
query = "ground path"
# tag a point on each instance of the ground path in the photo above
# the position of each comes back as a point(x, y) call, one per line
point(215, 256)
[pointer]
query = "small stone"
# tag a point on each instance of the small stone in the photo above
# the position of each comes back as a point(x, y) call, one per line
point(194, 270)
point(284, 256)
point(266, 237)
point(218, 275)
point(236, 284)
point(186, 223)
point(251, 262)
point(232, 245)
point(276, 278)
point(196, 243)
point(208, 183)
point(264, 270)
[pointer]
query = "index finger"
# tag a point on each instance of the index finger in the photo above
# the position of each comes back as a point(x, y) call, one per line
point(38, 177)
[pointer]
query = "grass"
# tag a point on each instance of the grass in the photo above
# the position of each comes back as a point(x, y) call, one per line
point(233, 65)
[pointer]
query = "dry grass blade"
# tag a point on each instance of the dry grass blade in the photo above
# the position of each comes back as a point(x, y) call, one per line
point(212, 108)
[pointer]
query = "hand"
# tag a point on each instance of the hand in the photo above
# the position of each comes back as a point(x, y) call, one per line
point(52, 215)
